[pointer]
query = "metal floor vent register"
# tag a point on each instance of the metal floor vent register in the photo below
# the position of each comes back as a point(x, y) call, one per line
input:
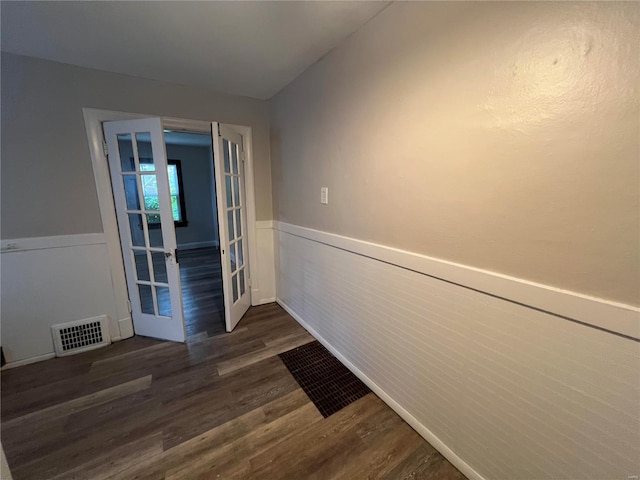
point(328, 383)
point(79, 336)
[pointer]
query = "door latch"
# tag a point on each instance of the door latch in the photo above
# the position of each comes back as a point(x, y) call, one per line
point(172, 256)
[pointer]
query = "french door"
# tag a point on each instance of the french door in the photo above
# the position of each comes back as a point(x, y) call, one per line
point(145, 220)
point(232, 220)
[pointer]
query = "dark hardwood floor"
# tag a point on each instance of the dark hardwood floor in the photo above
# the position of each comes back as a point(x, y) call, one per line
point(219, 407)
point(202, 301)
point(201, 280)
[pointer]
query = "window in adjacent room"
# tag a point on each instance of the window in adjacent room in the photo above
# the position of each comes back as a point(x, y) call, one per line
point(150, 192)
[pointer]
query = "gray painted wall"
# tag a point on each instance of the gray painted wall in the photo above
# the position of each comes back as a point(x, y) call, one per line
point(199, 191)
point(503, 136)
point(47, 179)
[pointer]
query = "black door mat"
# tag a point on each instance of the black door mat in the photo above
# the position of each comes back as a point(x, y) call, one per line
point(330, 385)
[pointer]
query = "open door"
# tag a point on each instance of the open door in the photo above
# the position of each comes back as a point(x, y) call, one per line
point(232, 219)
point(138, 166)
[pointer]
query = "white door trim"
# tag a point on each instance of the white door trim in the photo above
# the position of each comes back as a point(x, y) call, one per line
point(93, 119)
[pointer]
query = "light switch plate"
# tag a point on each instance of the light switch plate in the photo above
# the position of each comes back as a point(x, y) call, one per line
point(324, 195)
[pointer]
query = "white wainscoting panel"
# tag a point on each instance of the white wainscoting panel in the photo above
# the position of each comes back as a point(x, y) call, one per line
point(53, 280)
point(605, 314)
point(263, 287)
point(503, 390)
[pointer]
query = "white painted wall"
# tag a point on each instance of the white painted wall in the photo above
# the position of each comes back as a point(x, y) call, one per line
point(263, 288)
point(45, 156)
point(200, 192)
point(51, 280)
point(503, 390)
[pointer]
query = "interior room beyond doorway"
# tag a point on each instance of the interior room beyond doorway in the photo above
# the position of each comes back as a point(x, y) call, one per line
point(193, 198)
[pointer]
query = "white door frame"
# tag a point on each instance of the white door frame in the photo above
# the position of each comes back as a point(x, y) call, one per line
point(93, 119)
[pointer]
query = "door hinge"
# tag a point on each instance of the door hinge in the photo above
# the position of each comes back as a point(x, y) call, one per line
point(219, 134)
point(105, 148)
point(249, 282)
point(129, 306)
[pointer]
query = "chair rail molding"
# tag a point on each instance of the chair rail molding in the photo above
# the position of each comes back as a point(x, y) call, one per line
point(617, 318)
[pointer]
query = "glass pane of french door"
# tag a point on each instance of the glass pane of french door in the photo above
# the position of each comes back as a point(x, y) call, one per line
point(145, 219)
point(229, 163)
point(234, 173)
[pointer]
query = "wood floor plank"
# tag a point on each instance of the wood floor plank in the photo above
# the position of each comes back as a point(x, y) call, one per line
point(423, 462)
point(201, 375)
point(203, 336)
point(145, 409)
point(23, 444)
point(272, 385)
point(112, 427)
point(275, 347)
point(32, 400)
point(290, 341)
point(133, 354)
point(141, 361)
point(72, 406)
point(191, 450)
point(107, 414)
point(201, 282)
point(245, 360)
point(118, 348)
point(29, 377)
point(388, 442)
point(226, 461)
point(312, 450)
point(49, 439)
point(250, 389)
point(117, 461)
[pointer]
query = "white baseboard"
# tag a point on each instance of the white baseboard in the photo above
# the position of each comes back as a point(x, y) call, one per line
point(433, 440)
point(264, 301)
point(257, 299)
point(194, 245)
point(126, 331)
point(65, 278)
point(28, 361)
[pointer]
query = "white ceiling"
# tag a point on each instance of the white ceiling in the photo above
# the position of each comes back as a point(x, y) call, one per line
point(243, 48)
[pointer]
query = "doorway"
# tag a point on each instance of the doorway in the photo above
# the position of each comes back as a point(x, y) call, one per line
point(199, 264)
point(194, 207)
point(202, 297)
